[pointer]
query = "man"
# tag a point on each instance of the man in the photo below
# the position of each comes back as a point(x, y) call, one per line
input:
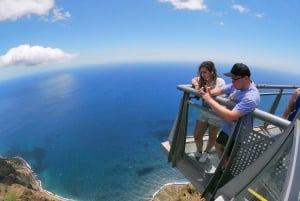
point(243, 92)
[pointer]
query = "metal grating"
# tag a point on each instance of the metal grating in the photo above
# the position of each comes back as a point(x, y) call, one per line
point(249, 146)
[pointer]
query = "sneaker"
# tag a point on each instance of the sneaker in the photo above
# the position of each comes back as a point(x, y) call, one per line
point(211, 170)
point(195, 154)
point(203, 157)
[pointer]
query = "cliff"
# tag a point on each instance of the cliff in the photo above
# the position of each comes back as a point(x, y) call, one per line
point(18, 182)
point(178, 192)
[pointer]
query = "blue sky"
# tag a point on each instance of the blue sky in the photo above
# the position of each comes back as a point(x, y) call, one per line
point(44, 34)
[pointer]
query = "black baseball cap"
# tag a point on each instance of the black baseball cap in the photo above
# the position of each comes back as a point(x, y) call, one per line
point(239, 69)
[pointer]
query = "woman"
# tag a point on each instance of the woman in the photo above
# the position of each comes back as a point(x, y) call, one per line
point(207, 77)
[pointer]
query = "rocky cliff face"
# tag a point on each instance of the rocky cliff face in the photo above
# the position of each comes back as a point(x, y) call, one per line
point(18, 182)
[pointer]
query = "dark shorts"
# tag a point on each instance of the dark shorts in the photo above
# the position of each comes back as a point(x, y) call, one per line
point(222, 138)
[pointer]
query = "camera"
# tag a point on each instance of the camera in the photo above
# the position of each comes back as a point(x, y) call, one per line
point(204, 85)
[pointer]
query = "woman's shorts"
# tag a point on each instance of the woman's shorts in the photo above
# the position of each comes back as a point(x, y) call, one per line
point(210, 118)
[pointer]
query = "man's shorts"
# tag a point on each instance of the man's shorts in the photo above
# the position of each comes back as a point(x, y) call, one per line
point(210, 118)
point(222, 138)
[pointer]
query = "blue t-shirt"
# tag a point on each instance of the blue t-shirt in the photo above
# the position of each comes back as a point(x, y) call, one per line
point(246, 101)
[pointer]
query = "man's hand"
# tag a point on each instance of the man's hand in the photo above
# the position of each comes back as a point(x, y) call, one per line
point(205, 94)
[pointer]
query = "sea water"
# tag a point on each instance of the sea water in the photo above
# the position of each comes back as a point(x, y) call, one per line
point(94, 133)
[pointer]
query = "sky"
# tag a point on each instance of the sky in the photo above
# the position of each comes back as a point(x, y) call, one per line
point(38, 35)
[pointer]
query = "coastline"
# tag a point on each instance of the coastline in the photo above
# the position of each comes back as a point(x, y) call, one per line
point(28, 185)
point(175, 191)
point(37, 184)
point(40, 183)
point(166, 185)
point(22, 167)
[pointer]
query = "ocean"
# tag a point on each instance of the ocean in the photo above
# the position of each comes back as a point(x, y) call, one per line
point(93, 133)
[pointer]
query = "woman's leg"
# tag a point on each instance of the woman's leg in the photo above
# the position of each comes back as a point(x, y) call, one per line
point(199, 131)
point(213, 132)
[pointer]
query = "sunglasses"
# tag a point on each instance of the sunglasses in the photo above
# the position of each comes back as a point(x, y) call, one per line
point(237, 78)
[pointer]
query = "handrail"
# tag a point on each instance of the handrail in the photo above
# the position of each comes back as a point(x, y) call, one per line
point(273, 119)
point(273, 86)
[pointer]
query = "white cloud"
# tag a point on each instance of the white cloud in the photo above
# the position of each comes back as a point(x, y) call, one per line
point(259, 15)
point(187, 4)
point(16, 9)
point(27, 55)
point(221, 24)
point(58, 14)
point(240, 8)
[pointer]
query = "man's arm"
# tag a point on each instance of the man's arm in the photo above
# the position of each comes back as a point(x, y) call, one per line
point(215, 92)
point(290, 105)
point(225, 113)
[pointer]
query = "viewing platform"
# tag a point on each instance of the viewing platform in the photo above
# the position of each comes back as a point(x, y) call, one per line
point(264, 160)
